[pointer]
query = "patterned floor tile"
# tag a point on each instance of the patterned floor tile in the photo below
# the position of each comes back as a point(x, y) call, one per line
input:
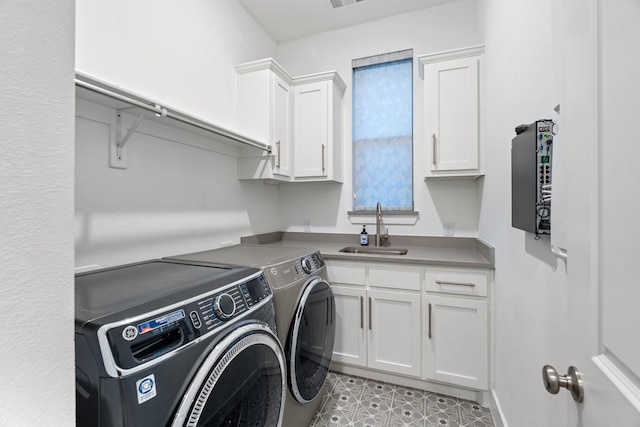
point(475, 415)
point(358, 402)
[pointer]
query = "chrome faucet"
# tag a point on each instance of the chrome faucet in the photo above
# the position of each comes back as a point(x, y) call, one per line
point(380, 226)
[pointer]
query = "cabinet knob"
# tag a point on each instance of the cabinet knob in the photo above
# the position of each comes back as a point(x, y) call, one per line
point(572, 381)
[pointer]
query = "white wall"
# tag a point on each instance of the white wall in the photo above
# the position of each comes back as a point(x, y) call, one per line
point(36, 225)
point(431, 30)
point(180, 53)
point(180, 192)
point(530, 286)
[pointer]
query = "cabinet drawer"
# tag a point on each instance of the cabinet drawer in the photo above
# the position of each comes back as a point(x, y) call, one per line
point(346, 272)
point(394, 277)
point(454, 281)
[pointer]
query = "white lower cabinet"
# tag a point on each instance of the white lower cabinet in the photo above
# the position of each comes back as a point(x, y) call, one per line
point(456, 344)
point(350, 345)
point(377, 329)
point(421, 322)
point(394, 332)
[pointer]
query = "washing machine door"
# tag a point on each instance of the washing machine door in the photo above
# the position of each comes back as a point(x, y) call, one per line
point(240, 383)
point(310, 341)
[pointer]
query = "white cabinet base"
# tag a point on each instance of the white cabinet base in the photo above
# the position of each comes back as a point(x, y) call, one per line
point(394, 331)
point(457, 340)
point(350, 344)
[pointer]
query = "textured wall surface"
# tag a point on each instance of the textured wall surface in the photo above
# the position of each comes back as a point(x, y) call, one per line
point(180, 192)
point(36, 221)
point(530, 286)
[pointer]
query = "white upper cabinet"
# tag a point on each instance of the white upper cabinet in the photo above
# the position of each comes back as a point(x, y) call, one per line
point(265, 102)
point(318, 127)
point(299, 118)
point(453, 145)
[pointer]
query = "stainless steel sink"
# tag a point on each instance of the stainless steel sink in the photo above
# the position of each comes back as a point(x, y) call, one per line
point(374, 250)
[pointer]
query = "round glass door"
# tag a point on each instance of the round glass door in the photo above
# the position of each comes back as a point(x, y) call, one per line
point(241, 383)
point(310, 341)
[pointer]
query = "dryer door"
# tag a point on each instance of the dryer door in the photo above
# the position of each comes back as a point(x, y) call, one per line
point(310, 341)
point(240, 383)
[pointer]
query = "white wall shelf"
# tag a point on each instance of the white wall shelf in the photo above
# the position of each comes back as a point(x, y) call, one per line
point(104, 93)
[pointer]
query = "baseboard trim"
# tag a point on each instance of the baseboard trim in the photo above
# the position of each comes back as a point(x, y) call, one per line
point(496, 411)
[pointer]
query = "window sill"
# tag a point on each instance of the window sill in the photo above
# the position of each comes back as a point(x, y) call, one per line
point(388, 217)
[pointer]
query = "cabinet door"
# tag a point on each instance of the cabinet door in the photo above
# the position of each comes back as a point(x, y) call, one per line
point(451, 115)
point(312, 121)
point(394, 331)
point(282, 126)
point(456, 350)
point(350, 344)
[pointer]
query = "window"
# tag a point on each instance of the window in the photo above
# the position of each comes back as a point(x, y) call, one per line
point(383, 131)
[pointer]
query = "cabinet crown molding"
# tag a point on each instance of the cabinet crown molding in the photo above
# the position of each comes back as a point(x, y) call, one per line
point(265, 64)
point(447, 55)
point(322, 77)
point(273, 65)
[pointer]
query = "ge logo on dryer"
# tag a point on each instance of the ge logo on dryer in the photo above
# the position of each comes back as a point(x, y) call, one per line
point(130, 333)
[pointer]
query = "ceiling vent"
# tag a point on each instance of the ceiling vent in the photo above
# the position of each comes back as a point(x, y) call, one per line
point(339, 3)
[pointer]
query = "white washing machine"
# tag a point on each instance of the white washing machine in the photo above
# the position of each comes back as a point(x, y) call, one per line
point(305, 317)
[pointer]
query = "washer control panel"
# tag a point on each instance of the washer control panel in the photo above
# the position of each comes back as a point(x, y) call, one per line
point(147, 338)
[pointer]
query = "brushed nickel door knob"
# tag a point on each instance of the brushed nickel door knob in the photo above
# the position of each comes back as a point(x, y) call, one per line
point(572, 381)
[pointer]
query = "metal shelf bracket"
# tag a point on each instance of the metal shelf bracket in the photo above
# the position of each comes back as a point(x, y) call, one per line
point(122, 140)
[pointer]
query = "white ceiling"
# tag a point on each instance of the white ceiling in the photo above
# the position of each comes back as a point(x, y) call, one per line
point(292, 19)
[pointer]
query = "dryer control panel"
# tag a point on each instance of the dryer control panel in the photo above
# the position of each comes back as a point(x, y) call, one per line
point(286, 273)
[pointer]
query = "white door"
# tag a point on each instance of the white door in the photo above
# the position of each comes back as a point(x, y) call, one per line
point(350, 344)
point(282, 126)
point(456, 340)
point(451, 114)
point(394, 332)
point(311, 129)
point(600, 114)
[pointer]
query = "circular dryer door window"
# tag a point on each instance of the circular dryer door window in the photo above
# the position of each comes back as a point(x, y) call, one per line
point(241, 383)
point(310, 341)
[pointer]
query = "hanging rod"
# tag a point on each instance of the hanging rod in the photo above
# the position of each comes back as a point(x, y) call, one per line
point(98, 86)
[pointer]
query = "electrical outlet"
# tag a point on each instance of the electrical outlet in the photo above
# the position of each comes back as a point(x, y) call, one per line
point(448, 229)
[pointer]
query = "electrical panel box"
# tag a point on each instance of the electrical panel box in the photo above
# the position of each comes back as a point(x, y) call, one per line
point(531, 157)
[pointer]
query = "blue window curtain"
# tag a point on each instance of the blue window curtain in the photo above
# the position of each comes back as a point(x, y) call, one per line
point(383, 135)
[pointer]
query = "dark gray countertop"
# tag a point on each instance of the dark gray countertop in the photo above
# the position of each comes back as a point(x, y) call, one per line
point(444, 251)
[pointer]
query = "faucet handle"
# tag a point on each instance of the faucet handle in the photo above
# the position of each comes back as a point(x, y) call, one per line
point(384, 232)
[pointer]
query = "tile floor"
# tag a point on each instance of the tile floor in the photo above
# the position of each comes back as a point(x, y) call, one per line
point(355, 401)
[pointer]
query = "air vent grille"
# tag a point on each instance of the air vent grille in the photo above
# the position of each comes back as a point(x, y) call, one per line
point(340, 3)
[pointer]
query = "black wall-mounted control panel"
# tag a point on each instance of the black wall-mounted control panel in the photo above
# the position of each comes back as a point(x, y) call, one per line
point(531, 161)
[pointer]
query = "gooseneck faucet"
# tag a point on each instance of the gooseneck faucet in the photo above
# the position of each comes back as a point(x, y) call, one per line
point(380, 226)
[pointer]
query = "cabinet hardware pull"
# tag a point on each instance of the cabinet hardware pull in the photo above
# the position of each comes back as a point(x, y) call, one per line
point(278, 163)
point(323, 159)
point(445, 282)
point(435, 152)
point(361, 312)
point(369, 313)
point(429, 320)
